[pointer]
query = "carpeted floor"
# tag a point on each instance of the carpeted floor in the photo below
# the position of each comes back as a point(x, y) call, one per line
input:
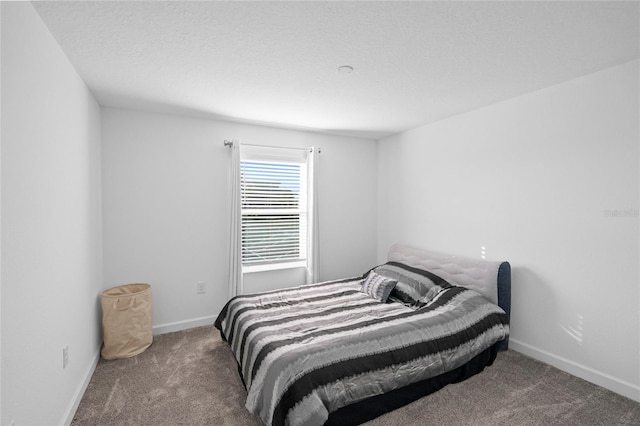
point(190, 378)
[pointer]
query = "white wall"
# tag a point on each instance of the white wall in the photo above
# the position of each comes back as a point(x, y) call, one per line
point(166, 208)
point(51, 247)
point(537, 180)
point(531, 179)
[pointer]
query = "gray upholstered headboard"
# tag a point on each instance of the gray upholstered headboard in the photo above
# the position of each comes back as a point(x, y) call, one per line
point(490, 278)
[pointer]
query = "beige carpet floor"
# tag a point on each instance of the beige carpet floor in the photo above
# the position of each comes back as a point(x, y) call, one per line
point(190, 378)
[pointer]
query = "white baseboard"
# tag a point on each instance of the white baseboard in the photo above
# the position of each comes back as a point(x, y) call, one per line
point(183, 325)
point(599, 378)
point(77, 396)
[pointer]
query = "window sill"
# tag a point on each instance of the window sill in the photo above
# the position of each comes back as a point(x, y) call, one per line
point(273, 267)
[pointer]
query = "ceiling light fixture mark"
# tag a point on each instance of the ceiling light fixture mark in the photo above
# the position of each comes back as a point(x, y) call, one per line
point(345, 69)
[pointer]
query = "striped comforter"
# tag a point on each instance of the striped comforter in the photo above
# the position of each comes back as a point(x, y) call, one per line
point(307, 351)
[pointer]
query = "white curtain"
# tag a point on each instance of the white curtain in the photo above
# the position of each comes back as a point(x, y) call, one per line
point(235, 240)
point(313, 235)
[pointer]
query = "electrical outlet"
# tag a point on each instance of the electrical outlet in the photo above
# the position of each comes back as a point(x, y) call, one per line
point(65, 356)
point(201, 287)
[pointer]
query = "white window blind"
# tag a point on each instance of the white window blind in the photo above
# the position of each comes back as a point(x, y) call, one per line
point(274, 209)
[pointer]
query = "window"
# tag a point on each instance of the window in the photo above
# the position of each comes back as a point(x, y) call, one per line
point(273, 188)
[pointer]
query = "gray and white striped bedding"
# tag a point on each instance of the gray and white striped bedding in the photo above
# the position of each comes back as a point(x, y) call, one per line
point(305, 352)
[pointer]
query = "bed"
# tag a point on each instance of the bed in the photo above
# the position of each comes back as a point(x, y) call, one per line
point(346, 351)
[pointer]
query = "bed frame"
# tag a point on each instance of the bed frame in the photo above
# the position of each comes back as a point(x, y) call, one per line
point(492, 279)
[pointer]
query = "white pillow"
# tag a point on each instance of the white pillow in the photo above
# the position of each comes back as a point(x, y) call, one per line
point(378, 286)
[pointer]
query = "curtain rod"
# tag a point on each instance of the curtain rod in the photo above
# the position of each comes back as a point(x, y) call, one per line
point(230, 143)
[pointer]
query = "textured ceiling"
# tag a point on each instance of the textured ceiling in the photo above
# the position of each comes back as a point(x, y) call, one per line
point(276, 62)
